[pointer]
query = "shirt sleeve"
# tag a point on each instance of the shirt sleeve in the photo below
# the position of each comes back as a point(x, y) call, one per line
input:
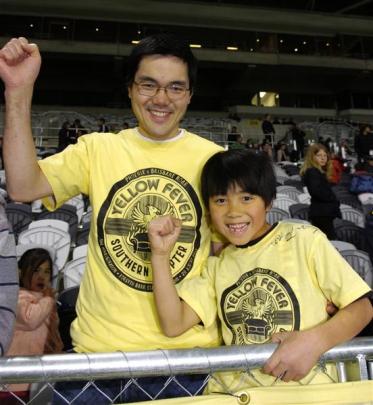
point(340, 283)
point(67, 173)
point(199, 293)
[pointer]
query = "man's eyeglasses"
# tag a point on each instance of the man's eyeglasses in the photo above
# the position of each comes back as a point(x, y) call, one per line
point(174, 91)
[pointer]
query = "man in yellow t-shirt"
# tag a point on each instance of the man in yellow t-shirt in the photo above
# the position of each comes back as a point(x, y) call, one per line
point(130, 178)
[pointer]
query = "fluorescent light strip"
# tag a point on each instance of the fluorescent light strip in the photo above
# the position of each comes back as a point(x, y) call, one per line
point(232, 48)
point(195, 45)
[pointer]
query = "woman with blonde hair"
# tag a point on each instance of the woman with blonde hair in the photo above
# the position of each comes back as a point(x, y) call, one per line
point(316, 174)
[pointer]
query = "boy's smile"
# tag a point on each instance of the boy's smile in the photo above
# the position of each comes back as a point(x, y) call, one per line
point(239, 216)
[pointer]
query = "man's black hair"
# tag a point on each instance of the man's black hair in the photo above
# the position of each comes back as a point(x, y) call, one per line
point(162, 44)
point(252, 172)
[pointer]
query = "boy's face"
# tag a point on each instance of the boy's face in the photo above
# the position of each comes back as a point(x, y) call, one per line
point(159, 116)
point(239, 216)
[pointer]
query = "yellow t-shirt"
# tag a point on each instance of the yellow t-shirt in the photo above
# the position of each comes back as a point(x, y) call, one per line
point(280, 283)
point(131, 179)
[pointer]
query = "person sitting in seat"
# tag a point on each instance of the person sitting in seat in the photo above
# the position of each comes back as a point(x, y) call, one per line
point(36, 328)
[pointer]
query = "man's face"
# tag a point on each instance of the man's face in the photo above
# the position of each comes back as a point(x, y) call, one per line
point(159, 116)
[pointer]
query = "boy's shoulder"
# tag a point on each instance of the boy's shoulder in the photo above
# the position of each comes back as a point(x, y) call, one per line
point(297, 229)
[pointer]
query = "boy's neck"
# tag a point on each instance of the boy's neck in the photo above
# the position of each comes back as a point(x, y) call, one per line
point(256, 240)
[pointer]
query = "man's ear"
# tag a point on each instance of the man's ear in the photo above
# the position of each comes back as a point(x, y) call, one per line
point(129, 90)
point(190, 96)
point(208, 219)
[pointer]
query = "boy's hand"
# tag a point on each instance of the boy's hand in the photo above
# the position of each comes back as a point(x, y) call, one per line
point(163, 233)
point(295, 356)
point(19, 63)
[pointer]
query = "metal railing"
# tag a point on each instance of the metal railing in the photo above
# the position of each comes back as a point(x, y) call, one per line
point(99, 366)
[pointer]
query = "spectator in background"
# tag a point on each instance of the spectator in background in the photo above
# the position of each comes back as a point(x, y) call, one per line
point(36, 328)
point(102, 127)
point(8, 281)
point(64, 136)
point(235, 139)
point(298, 135)
point(328, 143)
point(238, 143)
point(316, 173)
point(345, 148)
point(76, 130)
point(368, 166)
point(337, 168)
point(281, 153)
point(267, 148)
point(268, 129)
point(363, 143)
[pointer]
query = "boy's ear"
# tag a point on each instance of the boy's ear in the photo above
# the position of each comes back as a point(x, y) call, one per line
point(269, 206)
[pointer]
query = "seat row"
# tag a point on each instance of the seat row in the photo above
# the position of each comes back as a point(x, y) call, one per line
point(73, 213)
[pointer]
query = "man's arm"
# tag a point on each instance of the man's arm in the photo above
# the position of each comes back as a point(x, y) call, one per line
point(19, 67)
point(175, 316)
point(298, 352)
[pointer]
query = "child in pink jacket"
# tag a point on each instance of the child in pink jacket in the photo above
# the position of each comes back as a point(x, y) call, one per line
point(36, 328)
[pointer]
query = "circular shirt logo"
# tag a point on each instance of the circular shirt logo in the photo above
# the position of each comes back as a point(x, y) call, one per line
point(258, 305)
point(123, 220)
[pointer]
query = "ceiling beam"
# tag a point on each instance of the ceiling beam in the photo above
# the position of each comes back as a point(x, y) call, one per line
point(353, 6)
point(208, 55)
point(193, 14)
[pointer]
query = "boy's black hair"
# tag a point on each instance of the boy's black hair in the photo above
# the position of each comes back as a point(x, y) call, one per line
point(252, 172)
point(162, 44)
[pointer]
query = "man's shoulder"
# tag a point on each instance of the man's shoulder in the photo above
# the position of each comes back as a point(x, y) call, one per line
point(101, 138)
point(203, 142)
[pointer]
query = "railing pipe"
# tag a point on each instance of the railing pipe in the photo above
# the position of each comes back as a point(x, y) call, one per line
point(95, 366)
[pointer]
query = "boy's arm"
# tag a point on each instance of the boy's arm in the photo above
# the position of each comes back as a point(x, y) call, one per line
point(175, 315)
point(299, 351)
point(19, 67)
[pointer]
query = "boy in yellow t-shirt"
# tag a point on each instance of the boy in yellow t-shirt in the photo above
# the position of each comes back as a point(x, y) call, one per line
point(272, 283)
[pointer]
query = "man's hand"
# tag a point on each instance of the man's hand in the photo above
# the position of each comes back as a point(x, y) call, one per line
point(295, 356)
point(19, 63)
point(163, 233)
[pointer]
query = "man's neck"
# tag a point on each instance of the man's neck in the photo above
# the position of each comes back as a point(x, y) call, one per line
point(144, 134)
